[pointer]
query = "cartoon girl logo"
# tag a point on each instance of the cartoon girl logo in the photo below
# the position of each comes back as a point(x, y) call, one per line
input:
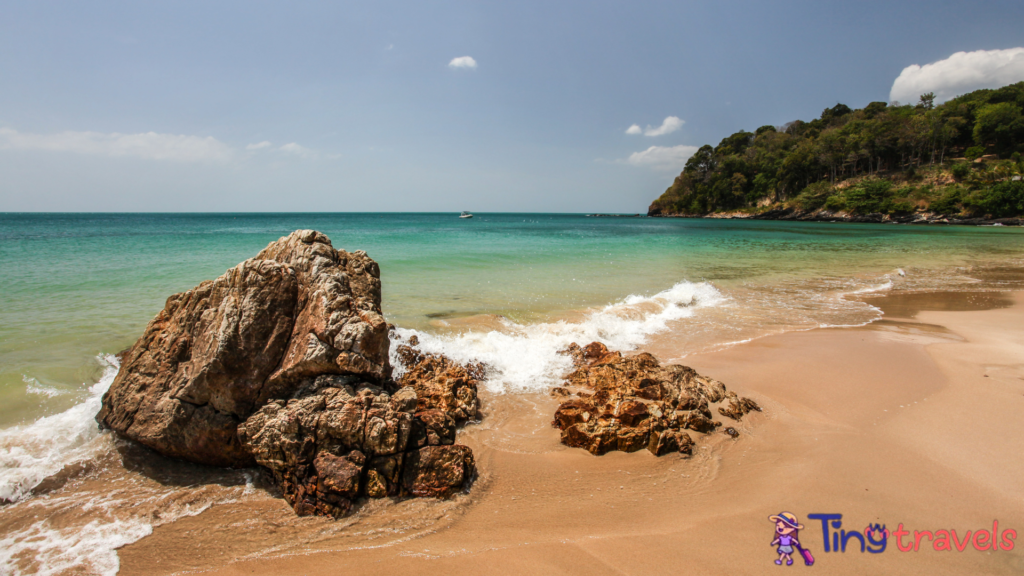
point(786, 530)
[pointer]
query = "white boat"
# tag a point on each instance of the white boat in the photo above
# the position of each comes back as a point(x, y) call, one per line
point(465, 215)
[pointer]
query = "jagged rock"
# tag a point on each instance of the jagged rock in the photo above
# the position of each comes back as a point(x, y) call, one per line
point(732, 432)
point(738, 407)
point(218, 352)
point(339, 439)
point(437, 471)
point(432, 428)
point(696, 421)
point(636, 403)
point(441, 383)
point(668, 441)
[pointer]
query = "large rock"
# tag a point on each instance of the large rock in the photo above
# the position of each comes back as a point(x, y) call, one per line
point(632, 403)
point(218, 352)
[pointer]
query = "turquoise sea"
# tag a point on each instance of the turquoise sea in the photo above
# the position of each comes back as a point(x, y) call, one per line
point(77, 286)
point(508, 290)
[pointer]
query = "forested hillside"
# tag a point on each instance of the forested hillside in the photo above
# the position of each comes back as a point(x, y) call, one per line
point(962, 157)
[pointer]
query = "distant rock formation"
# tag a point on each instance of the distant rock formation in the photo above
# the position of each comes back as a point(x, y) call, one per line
point(632, 403)
point(283, 361)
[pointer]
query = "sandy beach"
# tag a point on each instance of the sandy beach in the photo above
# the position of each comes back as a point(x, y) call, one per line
point(911, 420)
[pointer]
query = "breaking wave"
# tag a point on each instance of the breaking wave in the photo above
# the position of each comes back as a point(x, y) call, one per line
point(525, 358)
point(33, 452)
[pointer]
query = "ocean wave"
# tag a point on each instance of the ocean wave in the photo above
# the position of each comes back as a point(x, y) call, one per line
point(31, 453)
point(33, 386)
point(525, 358)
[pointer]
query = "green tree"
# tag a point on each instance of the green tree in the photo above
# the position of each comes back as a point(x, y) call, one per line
point(1000, 125)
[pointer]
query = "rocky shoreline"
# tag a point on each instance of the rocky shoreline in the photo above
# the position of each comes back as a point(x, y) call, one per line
point(285, 362)
point(796, 215)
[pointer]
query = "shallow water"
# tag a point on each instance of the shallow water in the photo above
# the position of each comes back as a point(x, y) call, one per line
point(508, 290)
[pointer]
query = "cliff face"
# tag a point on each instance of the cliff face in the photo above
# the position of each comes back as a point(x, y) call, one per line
point(215, 354)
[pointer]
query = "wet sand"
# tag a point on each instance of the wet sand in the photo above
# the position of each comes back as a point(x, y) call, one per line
point(914, 419)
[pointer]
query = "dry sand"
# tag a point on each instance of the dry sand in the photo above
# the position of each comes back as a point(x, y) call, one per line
point(914, 419)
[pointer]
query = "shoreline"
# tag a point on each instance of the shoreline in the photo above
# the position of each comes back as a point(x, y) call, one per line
point(822, 215)
point(885, 423)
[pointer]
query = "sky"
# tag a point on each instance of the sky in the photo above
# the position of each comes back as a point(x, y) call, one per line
point(555, 106)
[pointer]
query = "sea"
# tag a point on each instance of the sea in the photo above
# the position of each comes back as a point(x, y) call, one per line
point(507, 290)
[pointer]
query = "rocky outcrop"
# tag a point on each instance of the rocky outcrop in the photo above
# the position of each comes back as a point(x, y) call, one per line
point(632, 403)
point(339, 439)
point(218, 352)
point(283, 362)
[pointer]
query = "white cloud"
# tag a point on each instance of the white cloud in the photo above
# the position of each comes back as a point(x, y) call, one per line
point(259, 145)
point(462, 62)
point(960, 73)
point(149, 145)
point(668, 126)
point(662, 157)
point(297, 150)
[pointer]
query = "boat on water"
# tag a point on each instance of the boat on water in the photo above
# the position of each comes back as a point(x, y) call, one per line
point(465, 215)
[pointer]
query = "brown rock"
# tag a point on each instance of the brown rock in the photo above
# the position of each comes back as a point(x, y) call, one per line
point(438, 471)
point(559, 392)
point(670, 440)
point(634, 403)
point(338, 440)
point(441, 383)
point(337, 475)
point(432, 428)
point(385, 473)
point(571, 412)
point(695, 420)
point(217, 353)
point(738, 407)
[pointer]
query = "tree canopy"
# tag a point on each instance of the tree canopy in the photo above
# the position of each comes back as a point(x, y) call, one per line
point(833, 161)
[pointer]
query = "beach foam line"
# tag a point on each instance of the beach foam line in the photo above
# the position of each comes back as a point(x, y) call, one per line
point(524, 358)
point(90, 549)
point(31, 453)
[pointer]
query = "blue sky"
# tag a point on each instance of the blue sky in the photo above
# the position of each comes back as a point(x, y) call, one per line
point(315, 106)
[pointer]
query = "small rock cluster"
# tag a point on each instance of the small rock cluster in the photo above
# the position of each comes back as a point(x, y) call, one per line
point(339, 439)
point(632, 403)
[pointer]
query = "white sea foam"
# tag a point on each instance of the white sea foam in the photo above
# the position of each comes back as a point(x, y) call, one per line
point(887, 285)
point(90, 549)
point(524, 358)
point(33, 452)
point(33, 386)
point(101, 523)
